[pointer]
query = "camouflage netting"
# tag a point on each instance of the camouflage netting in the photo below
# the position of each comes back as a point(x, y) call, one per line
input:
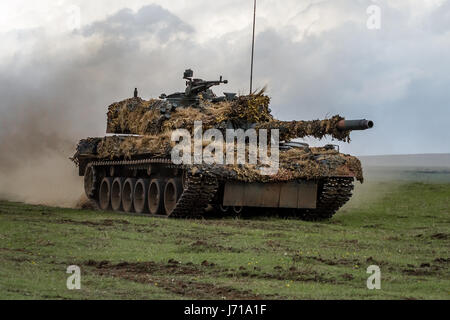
point(308, 163)
point(137, 116)
point(125, 147)
point(318, 162)
point(154, 121)
point(134, 116)
point(297, 163)
point(246, 109)
point(299, 129)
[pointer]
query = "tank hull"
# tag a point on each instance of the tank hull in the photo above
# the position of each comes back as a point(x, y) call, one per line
point(220, 190)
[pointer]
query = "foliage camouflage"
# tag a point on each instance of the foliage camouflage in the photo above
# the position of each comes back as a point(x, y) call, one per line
point(152, 122)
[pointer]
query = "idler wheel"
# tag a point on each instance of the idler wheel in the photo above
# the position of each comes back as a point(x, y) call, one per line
point(155, 197)
point(104, 199)
point(172, 192)
point(140, 196)
point(91, 182)
point(127, 194)
point(116, 194)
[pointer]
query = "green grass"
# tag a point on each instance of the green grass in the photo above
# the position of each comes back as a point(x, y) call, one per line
point(404, 230)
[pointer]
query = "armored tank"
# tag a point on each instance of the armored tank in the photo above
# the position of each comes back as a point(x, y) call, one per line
point(155, 161)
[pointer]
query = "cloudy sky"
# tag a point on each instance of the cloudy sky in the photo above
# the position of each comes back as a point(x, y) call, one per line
point(62, 62)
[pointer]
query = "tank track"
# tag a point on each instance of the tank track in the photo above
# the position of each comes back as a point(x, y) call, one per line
point(198, 190)
point(333, 194)
point(196, 196)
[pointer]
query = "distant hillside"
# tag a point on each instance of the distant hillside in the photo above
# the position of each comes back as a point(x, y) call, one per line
point(417, 167)
point(415, 160)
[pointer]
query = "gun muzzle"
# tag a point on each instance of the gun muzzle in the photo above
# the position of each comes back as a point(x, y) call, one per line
point(350, 125)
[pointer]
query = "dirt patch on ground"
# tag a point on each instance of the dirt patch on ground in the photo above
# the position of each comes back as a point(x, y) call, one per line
point(85, 204)
point(442, 260)
point(248, 224)
point(209, 291)
point(440, 236)
point(102, 223)
point(160, 274)
point(372, 226)
point(19, 259)
point(427, 269)
point(291, 274)
point(330, 262)
point(417, 272)
point(170, 277)
point(45, 243)
point(7, 255)
point(16, 250)
point(173, 267)
point(376, 262)
point(276, 235)
point(202, 246)
point(273, 244)
point(347, 276)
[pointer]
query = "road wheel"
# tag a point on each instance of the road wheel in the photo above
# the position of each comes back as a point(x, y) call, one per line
point(127, 194)
point(172, 192)
point(155, 197)
point(140, 196)
point(223, 209)
point(105, 194)
point(238, 210)
point(116, 194)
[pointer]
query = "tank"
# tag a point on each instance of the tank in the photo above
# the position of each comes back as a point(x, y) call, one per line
point(153, 160)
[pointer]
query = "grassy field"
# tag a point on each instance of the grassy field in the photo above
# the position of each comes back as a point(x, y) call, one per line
point(405, 230)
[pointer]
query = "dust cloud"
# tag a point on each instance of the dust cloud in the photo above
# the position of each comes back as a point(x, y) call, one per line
point(50, 180)
point(34, 163)
point(36, 140)
point(51, 96)
point(370, 192)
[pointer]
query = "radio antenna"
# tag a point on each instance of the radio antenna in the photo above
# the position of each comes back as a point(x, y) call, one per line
point(253, 48)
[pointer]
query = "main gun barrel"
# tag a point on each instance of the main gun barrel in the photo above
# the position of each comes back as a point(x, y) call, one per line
point(336, 127)
point(350, 125)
